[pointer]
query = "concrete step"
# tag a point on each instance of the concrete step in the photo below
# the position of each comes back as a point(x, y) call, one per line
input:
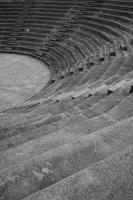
point(104, 71)
point(74, 80)
point(45, 109)
point(33, 174)
point(105, 104)
point(113, 68)
point(95, 72)
point(42, 108)
point(125, 68)
point(110, 178)
point(48, 142)
point(52, 138)
point(57, 121)
point(127, 65)
point(119, 66)
point(11, 136)
point(41, 114)
point(124, 109)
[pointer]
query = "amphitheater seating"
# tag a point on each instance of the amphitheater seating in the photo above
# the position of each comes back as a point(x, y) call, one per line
point(73, 139)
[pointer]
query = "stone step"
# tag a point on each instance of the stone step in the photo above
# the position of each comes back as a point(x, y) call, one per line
point(38, 109)
point(105, 104)
point(96, 72)
point(59, 137)
point(43, 112)
point(11, 137)
point(124, 70)
point(46, 109)
point(113, 68)
point(127, 65)
point(48, 142)
point(56, 122)
point(33, 174)
point(118, 66)
point(93, 74)
point(123, 109)
point(110, 178)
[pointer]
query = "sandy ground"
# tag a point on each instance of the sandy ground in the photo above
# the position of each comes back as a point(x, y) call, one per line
point(20, 78)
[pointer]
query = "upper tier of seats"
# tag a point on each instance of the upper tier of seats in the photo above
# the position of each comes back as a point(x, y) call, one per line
point(64, 33)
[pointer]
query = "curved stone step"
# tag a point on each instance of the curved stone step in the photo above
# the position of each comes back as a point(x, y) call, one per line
point(110, 178)
point(18, 136)
point(124, 109)
point(105, 104)
point(60, 136)
point(48, 142)
point(29, 176)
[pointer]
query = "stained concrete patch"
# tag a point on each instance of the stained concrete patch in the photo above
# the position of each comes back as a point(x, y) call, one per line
point(20, 78)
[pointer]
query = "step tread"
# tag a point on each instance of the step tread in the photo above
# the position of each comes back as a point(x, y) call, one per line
point(109, 178)
point(50, 167)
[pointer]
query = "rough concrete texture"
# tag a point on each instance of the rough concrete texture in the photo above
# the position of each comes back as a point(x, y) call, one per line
point(108, 179)
point(20, 178)
point(20, 78)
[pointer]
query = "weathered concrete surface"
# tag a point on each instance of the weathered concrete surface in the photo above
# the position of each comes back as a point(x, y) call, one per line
point(20, 78)
point(31, 175)
point(59, 137)
point(109, 179)
point(56, 139)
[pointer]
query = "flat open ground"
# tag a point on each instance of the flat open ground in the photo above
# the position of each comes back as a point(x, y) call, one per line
point(20, 78)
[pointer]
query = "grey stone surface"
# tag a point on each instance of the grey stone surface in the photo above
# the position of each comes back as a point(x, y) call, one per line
point(45, 143)
point(105, 104)
point(28, 176)
point(108, 179)
point(20, 78)
point(124, 109)
point(61, 136)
